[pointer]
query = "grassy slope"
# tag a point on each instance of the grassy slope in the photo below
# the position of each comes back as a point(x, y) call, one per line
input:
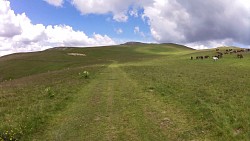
point(115, 107)
point(215, 94)
point(134, 93)
point(29, 80)
point(20, 65)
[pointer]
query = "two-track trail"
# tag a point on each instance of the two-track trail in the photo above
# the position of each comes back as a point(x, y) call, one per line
point(113, 106)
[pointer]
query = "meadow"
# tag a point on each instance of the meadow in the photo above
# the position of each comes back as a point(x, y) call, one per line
point(133, 92)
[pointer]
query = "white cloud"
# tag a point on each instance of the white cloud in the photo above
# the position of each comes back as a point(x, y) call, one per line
point(119, 31)
point(210, 44)
point(199, 21)
point(118, 8)
point(23, 36)
point(120, 17)
point(137, 31)
point(181, 21)
point(9, 22)
point(99, 40)
point(57, 3)
point(134, 13)
point(165, 18)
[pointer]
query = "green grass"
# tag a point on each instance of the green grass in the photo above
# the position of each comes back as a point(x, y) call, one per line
point(134, 92)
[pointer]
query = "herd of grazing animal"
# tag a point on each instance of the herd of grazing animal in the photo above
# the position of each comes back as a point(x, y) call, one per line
point(219, 54)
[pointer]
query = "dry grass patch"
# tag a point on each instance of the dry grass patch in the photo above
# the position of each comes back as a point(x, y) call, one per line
point(76, 54)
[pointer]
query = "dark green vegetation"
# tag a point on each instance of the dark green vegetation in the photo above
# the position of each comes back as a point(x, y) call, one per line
point(132, 92)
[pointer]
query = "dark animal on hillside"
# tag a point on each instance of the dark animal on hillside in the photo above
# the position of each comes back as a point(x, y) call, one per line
point(230, 49)
point(206, 56)
point(199, 57)
point(217, 49)
point(219, 53)
point(191, 57)
point(220, 56)
point(240, 50)
point(239, 56)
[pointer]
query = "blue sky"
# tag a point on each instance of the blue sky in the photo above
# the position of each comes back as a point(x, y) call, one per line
point(41, 12)
point(34, 25)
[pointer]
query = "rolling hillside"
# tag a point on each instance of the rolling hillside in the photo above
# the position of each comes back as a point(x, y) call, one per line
point(134, 92)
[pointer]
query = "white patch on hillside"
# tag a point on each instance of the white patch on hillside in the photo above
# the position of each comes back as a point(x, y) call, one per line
point(76, 54)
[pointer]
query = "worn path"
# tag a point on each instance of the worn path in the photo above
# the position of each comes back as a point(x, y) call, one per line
point(114, 107)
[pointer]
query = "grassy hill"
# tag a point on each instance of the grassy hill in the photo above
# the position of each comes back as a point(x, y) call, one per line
point(134, 92)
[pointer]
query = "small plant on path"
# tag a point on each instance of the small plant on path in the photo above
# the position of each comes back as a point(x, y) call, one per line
point(84, 74)
point(49, 92)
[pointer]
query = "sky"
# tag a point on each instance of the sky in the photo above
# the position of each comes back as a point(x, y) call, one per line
point(35, 25)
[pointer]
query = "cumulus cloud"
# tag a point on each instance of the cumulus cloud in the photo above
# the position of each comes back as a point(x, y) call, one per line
point(134, 13)
point(199, 21)
point(57, 3)
point(165, 19)
point(18, 34)
point(118, 8)
point(9, 23)
point(181, 21)
point(120, 17)
point(210, 44)
point(137, 31)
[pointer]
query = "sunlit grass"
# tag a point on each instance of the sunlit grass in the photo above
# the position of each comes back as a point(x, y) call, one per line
point(144, 92)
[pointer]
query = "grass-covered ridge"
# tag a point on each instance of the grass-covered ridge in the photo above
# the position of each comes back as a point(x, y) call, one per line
point(133, 92)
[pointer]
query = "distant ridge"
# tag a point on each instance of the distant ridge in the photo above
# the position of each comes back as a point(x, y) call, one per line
point(133, 43)
point(171, 44)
